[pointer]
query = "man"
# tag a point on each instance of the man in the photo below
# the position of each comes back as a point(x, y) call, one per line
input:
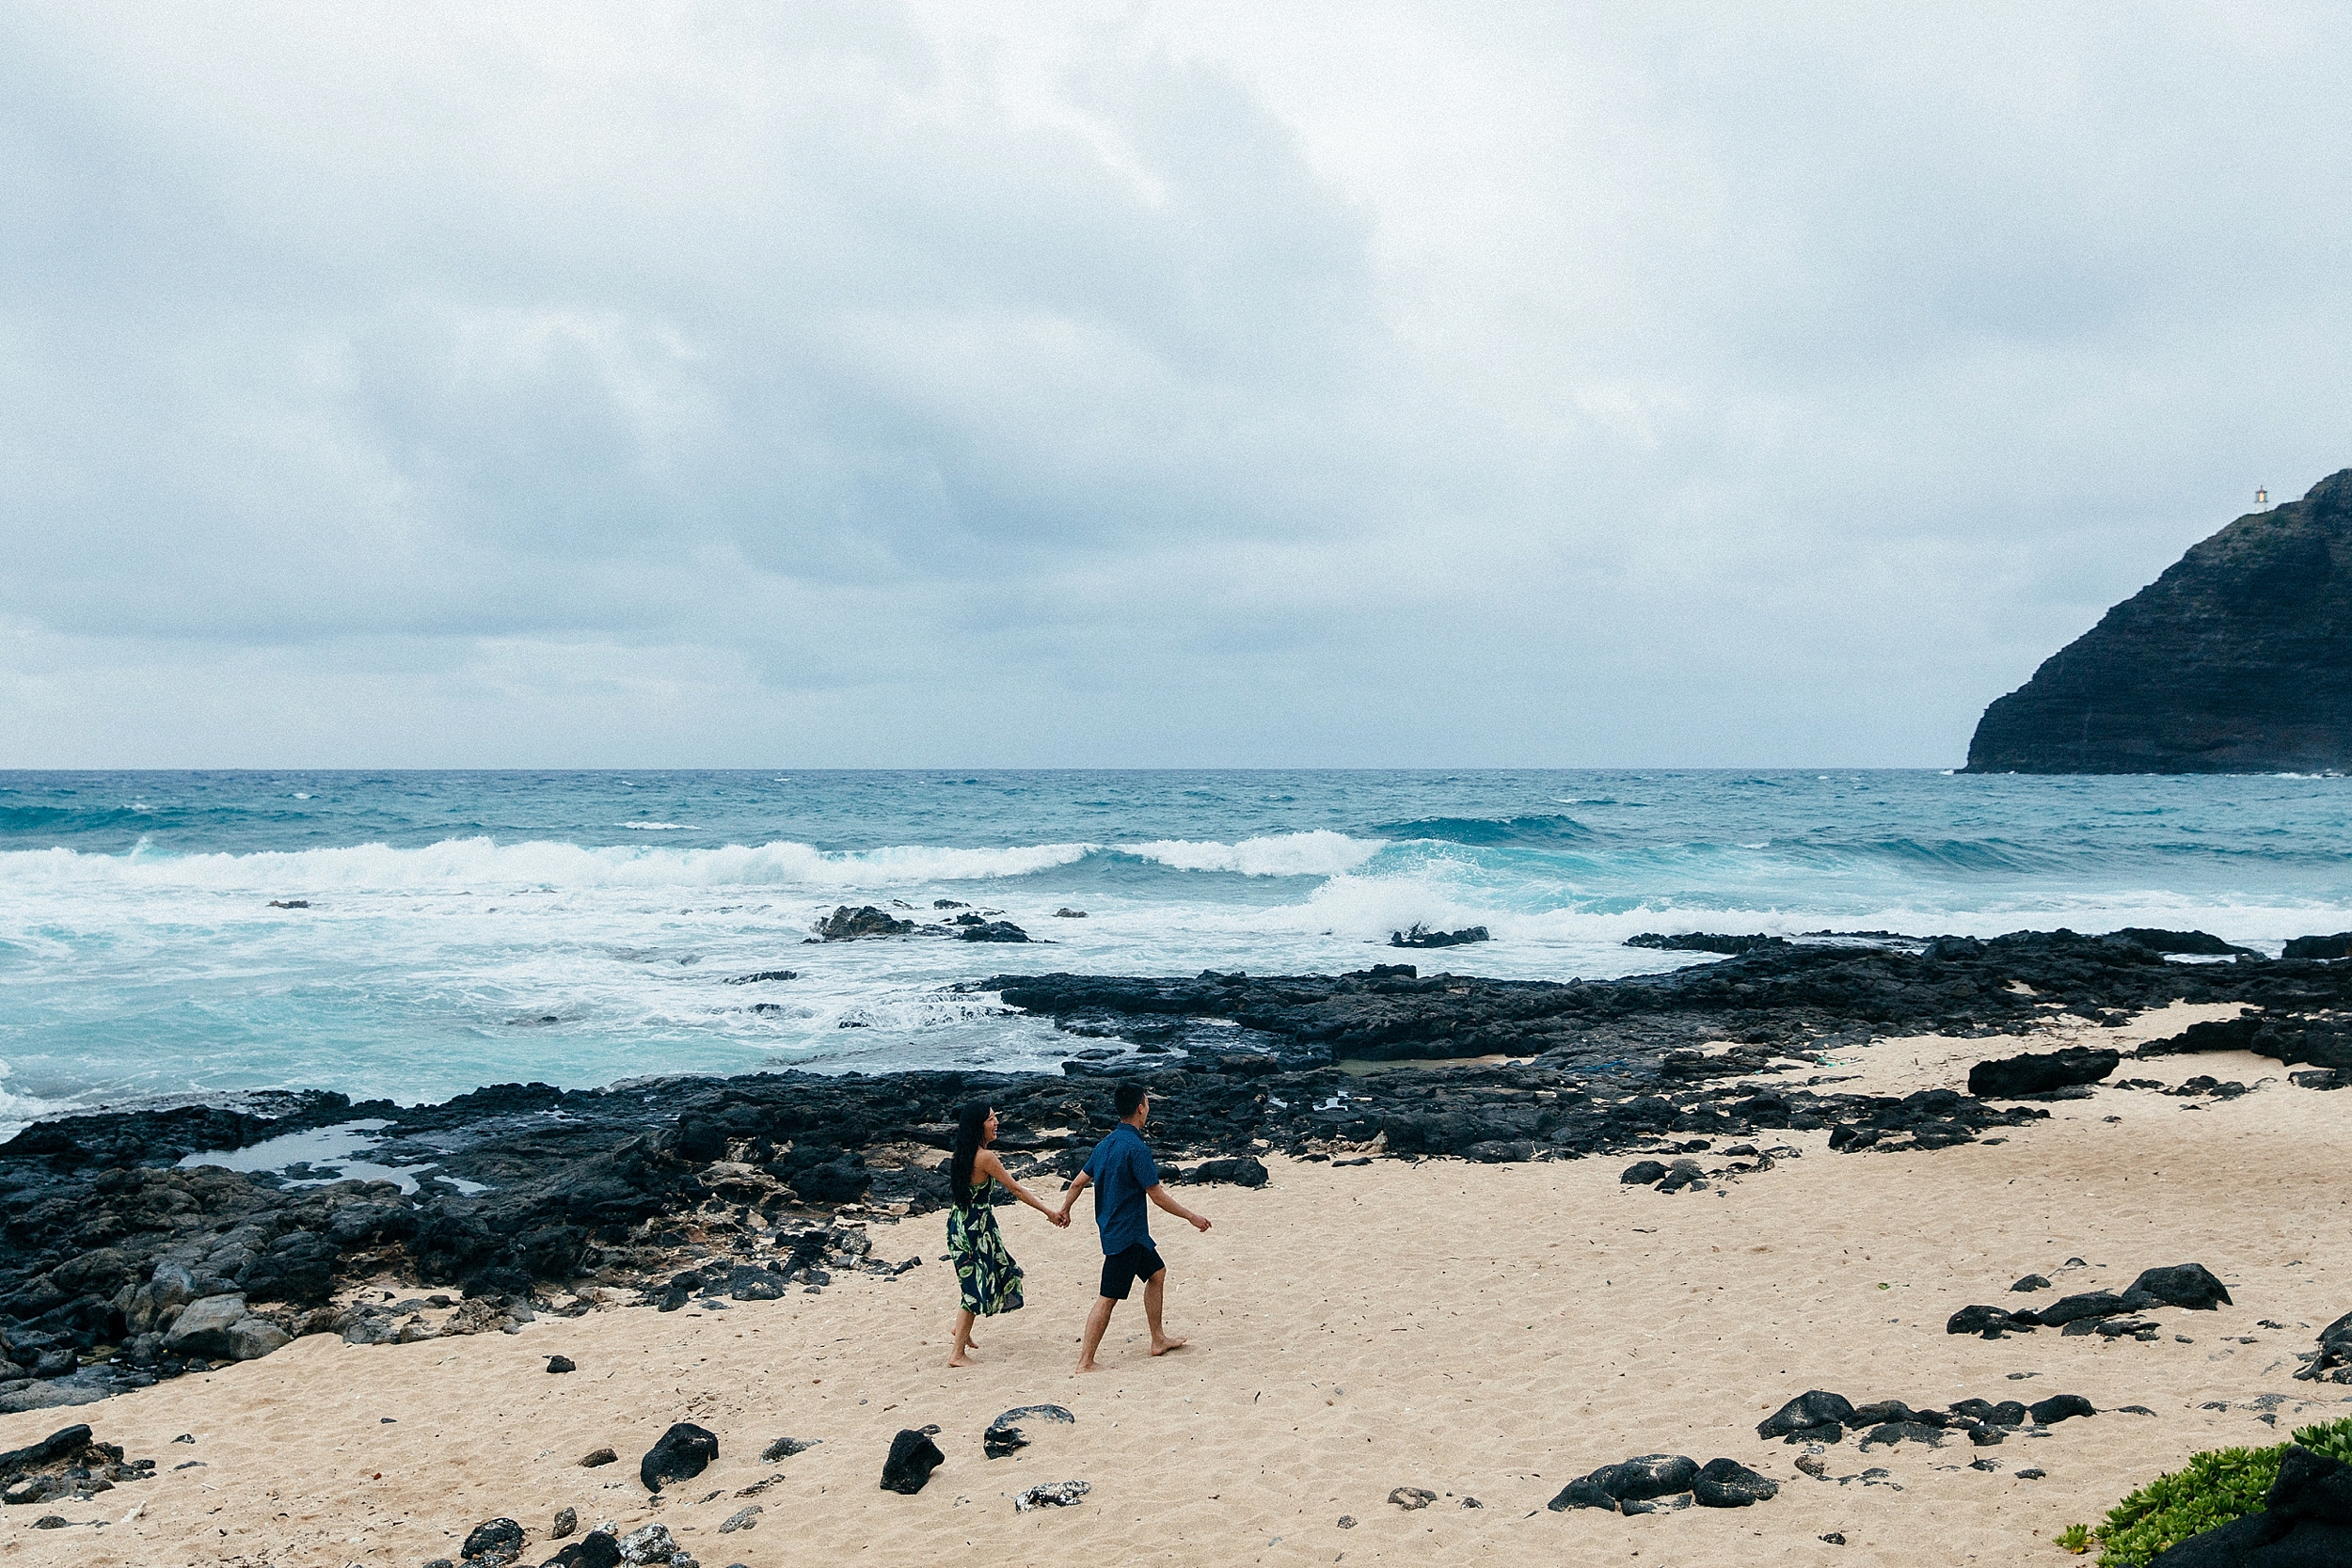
point(1123, 1174)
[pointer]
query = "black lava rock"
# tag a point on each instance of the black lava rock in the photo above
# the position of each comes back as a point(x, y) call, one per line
point(2334, 1361)
point(2040, 1072)
point(1420, 936)
point(991, 931)
point(913, 1458)
point(1805, 1413)
point(493, 1541)
point(1726, 1483)
point(561, 1364)
point(680, 1453)
point(2060, 1407)
point(2189, 1285)
point(596, 1549)
point(1643, 1172)
point(2031, 1282)
point(2306, 1522)
point(1241, 1171)
point(848, 924)
point(1649, 1475)
point(2089, 1304)
point(1990, 1321)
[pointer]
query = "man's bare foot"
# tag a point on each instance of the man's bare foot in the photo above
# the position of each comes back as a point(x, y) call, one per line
point(959, 1359)
point(1161, 1347)
point(1088, 1367)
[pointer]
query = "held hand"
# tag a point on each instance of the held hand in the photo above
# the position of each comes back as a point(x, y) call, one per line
point(1060, 1218)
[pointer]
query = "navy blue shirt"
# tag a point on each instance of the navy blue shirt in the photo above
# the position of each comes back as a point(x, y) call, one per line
point(1122, 1170)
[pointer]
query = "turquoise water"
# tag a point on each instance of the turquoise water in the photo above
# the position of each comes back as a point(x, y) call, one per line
point(451, 914)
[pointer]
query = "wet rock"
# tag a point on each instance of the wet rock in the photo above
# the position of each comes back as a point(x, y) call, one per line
point(1421, 936)
point(993, 930)
point(913, 1458)
point(1705, 941)
point(1727, 1484)
point(1411, 1498)
point(680, 1453)
point(2336, 946)
point(848, 924)
point(2189, 1285)
point(2040, 1073)
point(1056, 1494)
point(567, 1521)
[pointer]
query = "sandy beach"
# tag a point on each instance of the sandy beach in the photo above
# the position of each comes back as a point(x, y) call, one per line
point(1485, 1332)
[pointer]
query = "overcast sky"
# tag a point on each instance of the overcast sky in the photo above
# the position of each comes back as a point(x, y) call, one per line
point(882, 383)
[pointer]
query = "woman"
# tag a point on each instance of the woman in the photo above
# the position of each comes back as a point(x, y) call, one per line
point(989, 1279)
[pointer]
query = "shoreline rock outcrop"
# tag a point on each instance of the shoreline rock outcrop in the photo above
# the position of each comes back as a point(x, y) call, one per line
point(2237, 659)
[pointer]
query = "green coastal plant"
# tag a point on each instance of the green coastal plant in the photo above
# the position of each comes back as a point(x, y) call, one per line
point(2214, 1488)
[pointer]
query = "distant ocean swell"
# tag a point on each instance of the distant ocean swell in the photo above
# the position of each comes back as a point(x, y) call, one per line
point(471, 928)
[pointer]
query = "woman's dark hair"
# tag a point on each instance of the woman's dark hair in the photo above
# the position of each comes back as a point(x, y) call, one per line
point(971, 1127)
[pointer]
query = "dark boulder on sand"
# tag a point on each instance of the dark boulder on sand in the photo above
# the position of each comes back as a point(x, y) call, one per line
point(2306, 1522)
point(2334, 1362)
point(1241, 1170)
point(493, 1541)
point(2040, 1073)
point(1807, 1414)
point(680, 1453)
point(2189, 1285)
point(1727, 1484)
point(913, 1458)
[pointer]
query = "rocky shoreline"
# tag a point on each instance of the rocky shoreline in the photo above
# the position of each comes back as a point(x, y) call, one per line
point(119, 1267)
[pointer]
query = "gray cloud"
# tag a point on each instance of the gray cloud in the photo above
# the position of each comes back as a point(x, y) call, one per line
point(1157, 384)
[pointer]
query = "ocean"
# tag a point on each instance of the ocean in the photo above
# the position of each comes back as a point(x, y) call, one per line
point(584, 927)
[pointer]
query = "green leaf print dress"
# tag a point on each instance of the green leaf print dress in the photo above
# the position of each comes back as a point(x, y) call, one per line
point(989, 1279)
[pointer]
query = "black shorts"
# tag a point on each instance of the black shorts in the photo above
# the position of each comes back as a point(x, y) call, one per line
point(1120, 1270)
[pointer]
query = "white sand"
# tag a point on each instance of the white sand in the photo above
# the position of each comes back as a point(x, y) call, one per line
point(1487, 1331)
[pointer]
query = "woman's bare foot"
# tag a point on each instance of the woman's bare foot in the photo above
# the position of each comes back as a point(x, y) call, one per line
point(1089, 1367)
point(1161, 1347)
point(959, 1359)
